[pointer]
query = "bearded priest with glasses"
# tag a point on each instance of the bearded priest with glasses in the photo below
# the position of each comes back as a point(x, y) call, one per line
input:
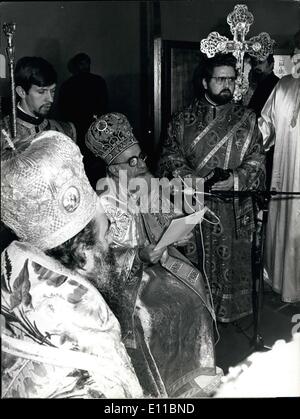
point(218, 140)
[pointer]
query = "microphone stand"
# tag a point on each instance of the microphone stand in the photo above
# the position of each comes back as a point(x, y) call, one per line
point(258, 250)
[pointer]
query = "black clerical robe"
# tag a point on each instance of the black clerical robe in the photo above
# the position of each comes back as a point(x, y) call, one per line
point(28, 126)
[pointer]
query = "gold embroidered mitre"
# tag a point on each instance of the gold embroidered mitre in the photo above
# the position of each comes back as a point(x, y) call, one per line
point(109, 136)
point(46, 198)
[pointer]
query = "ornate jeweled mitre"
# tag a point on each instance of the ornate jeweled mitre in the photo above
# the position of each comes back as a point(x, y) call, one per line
point(46, 198)
point(109, 136)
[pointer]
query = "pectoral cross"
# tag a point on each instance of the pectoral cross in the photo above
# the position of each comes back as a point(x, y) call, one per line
point(259, 46)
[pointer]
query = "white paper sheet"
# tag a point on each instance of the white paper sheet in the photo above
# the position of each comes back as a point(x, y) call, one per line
point(179, 228)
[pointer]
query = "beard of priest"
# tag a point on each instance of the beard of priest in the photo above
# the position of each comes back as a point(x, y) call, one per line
point(85, 254)
point(219, 86)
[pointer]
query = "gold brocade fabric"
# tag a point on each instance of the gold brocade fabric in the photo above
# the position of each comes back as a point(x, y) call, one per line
point(59, 337)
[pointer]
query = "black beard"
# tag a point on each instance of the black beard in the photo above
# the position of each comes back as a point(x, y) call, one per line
point(74, 255)
point(220, 99)
point(41, 114)
point(106, 278)
point(258, 76)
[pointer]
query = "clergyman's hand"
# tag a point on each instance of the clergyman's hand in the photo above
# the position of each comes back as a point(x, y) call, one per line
point(147, 254)
point(223, 185)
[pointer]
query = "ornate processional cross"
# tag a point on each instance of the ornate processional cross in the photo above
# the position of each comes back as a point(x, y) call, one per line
point(259, 46)
point(9, 30)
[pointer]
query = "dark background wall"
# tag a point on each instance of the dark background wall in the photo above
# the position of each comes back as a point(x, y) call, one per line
point(106, 30)
point(112, 33)
point(192, 20)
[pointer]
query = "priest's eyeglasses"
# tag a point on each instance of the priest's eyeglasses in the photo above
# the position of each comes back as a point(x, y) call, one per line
point(133, 161)
point(222, 80)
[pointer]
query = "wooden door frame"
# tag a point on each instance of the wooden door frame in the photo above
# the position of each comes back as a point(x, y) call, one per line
point(162, 82)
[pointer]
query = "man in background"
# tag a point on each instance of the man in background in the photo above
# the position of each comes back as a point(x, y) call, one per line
point(264, 79)
point(81, 97)
point(35, 81)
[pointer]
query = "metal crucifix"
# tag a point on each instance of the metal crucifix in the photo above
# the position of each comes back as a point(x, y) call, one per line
point(259, 46)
